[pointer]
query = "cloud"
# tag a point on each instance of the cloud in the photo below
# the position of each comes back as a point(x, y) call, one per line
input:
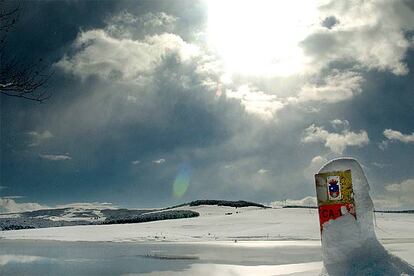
point(262, 171)
point(309, 201)
point(395, 135)
point(380, 165)
point(9, 205)
point(316, 163)
point(14, 197)
point(163, 102)
point(97, 53)
point(39, 137)
point(258, 103)
point(336, 87)
point(157, 19)
point(406, 188)
point(55, 157)
point(336, 142)
point(148, 19)
point(135, 162)
point(377, 42)
point(126, 25)
point(89, 205)
point(397, 196)
point(383, 145)
point(159, 161)
point(340, 123)
point(330, 22)
point(132, 99)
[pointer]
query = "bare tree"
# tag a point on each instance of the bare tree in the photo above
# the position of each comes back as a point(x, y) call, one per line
point(18, 79)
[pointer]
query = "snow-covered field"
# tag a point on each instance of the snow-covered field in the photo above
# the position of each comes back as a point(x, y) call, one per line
point(218, 223)
point(262, 230)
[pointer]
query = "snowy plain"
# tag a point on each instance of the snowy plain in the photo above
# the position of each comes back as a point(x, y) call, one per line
point(289, 233)
point(218, 223)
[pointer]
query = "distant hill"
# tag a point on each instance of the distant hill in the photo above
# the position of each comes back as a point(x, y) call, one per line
point(228, 203)
point(69, 216)
point(237, 204)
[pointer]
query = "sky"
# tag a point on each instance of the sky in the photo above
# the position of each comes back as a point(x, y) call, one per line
point(156, 103)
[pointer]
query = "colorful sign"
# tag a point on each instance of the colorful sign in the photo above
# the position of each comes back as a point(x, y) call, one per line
point(335, 195)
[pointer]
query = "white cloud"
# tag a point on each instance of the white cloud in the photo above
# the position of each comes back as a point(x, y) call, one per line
point(39, 137)
point(157, 19)
point(375, 42)
point(55, 157)
point(316, 163)
point(397, 196)
point(406, 188)
point(383, 145)
point(122, 18)
point(309, 201)
point(125, 24)
point(135, 162)
point(337, 124)
point(14, 197)
point(394, 135)
point(89, 205)
point(380, 165)
point(132, 99)
point(9, 205)
point(100, 54)
point(262, 171)
point(148, 19)
point(159, 161)
point(336, 142)
point(336, 87)
point(258, 103)
point(398, 136)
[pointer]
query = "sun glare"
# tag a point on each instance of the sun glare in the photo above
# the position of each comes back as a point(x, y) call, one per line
point(258, 37)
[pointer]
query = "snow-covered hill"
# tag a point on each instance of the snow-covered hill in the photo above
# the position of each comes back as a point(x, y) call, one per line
point(92, 215)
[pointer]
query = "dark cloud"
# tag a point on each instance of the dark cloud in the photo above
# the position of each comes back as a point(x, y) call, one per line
point(172, 111)
point(329, 22)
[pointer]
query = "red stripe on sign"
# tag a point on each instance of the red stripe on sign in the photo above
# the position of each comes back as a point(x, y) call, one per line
point(333, 211)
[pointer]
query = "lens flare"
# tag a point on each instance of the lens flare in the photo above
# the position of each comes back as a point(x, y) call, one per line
point(182, 181)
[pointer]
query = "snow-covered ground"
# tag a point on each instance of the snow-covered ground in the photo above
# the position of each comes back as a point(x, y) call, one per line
point(218, 223)
point(217, 228)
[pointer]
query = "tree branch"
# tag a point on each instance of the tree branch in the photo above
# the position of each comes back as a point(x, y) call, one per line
point(18, 79)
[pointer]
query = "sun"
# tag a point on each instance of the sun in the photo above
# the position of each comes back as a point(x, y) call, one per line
point(257, 37)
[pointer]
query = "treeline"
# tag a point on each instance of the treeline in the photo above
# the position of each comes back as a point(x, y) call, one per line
point(229, 203)
point(395, 212)
point(29, 223)
point(163, 215)
point(16, 227)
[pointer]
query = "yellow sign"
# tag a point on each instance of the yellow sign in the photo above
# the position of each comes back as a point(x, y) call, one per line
point(335, 195)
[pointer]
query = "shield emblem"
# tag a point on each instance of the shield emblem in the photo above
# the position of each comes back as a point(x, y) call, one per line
point(334, 187)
